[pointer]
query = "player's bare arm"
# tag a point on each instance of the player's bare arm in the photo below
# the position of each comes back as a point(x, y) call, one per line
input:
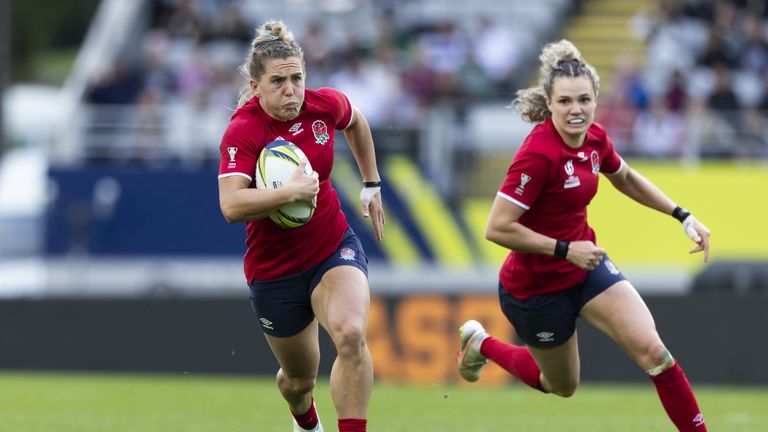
point(632, 184)
point(358, 135)
point(504, 229)
point(240, 203)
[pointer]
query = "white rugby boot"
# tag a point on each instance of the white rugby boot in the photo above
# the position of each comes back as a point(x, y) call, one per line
point(471, 362)
point(318, 428)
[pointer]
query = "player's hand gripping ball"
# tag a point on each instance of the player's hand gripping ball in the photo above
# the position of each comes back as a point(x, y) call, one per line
point(275, 167)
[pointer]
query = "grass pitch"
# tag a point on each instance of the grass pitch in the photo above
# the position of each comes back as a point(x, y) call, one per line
point(36, 402)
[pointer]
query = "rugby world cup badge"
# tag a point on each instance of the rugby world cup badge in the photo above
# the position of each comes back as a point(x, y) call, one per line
point(232, 152)
point(320, 131)
point(524, 179)
point(572, 181)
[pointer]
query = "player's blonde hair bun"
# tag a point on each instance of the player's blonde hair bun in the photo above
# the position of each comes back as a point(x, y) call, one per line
point(555, 52)
point(270, 31)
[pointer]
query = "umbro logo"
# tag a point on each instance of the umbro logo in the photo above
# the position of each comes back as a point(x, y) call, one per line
point(267, 324)
point(545, 336)
point(698, 420)
point(296, 129)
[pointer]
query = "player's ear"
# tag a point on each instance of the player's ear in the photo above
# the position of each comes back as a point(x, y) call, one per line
point(254, 87)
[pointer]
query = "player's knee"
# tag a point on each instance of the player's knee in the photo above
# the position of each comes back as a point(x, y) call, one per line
point(659, 359)
point(301, 385)
point(349, 337)
point(565, 392)
point(564, 389)
point(657, 353)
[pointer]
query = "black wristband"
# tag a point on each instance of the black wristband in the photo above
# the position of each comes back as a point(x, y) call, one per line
point(561, 248)
point(376, 183)
point(680, 213)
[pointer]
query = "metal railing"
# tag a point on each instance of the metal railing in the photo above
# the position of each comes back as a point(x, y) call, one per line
point(182, 130)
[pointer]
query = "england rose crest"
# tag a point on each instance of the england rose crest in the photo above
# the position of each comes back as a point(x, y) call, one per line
point(611, 267)
point(320, 131)
point(595, 159)
point(347, 254)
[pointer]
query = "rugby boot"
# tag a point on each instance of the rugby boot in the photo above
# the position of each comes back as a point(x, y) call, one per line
point(471, 362)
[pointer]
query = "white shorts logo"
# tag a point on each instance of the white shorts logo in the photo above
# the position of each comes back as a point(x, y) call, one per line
point(267, 324)
point(545, 336)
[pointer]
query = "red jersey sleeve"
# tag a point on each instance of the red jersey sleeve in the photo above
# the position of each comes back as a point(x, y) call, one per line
point(612, 162)
point(341, 107)
point(238, 155)
point(526, 177)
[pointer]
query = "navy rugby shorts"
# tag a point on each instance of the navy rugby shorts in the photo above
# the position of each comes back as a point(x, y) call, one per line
point(549, 320)
point(283, 305)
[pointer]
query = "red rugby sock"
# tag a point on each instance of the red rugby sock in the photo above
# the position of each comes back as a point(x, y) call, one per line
point(515, 359)
point(352, 425)
point(309, 419)
point(678, 400)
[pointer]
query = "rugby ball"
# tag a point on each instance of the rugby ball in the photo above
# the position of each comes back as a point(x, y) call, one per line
point(275, 167)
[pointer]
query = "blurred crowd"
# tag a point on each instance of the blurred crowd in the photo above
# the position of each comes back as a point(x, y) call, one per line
point(704, 88)
point(193, 48)
point(703, 91)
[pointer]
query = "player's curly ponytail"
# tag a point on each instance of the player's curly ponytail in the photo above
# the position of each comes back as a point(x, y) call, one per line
point(558, 59)
point(272, 41)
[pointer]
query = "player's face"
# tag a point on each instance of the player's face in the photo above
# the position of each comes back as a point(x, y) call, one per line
point(281, 88)
point(572, 104)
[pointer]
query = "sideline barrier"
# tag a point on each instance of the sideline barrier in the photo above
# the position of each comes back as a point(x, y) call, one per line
point(412, 338)
point(136, 212)
point(635, 235)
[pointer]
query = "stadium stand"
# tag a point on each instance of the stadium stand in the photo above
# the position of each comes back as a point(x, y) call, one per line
point(155, 81)
point(603, 32)
point(158, 104)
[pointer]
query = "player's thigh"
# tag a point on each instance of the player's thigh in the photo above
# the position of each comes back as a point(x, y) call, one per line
point(621, 313)
point(298, 355)
point(342, 299)
point(559, 365)
point(547, 325)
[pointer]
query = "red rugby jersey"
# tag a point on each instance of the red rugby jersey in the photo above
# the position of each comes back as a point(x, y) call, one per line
point(554, 183)
point(274, 252)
